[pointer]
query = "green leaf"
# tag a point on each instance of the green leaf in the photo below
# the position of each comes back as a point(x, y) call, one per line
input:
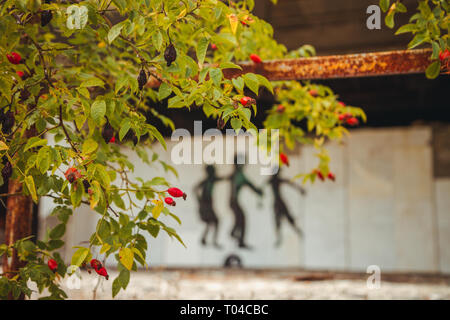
point(252, 82)
point(238, 84)
point(417, 40)
point(35, 142)
point(389, 19)
point(236, 124)
point(124, 278)
point(229, 65)
point(92, 82)
point(164, 91)
point(116, 286)
point(384, 5)
point(126, 256)
point(98, 110)
point(124, 127)
point(89, 146)
point(433, 70)
point(202, 47)
point(79, 256)
point(76, 193)
point(102, 174)
point(216, 76)
point(58, 231)
point(114, 32)
point(406, 28)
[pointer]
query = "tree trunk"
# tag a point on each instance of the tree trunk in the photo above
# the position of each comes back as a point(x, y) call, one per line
point(19, 219)
point(19, 216)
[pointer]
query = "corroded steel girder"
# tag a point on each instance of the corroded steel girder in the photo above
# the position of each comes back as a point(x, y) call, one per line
point(338, 66)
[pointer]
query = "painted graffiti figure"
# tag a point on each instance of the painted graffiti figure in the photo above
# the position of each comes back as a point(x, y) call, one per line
point(280, 209)
point(239, 180)
point(204, 192)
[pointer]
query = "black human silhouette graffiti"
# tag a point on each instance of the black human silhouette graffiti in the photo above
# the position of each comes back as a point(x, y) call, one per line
point(280, 209)
point(204, 192)
point(239, 180)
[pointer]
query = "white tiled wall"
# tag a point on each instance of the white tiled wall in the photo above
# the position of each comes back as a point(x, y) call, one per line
point(384, 209)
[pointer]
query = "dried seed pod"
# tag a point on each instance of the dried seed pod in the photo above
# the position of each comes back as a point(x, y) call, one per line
point(24, 94)
point(46, 17)
point(86, 186)
point(170, 55)
point(220, 123)
point(7, 171)
point(7, 121)
point(142, 79)
point(107, 132)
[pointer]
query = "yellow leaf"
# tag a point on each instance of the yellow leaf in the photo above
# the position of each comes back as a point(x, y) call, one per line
point(105, 248)
point(3, 146)
point(233, 22)
point(126, 256)
point(29, 181)
point(182, 14)
point(159, 206)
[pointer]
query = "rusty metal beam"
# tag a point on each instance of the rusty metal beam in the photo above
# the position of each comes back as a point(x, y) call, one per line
point(339, 66)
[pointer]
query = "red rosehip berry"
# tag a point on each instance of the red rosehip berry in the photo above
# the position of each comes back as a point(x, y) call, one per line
point(345, 116)
point(112, 140)
point(280, 108)
point(319, 175)
point(213, 46)
point(52, 264)
point(331, 176)
point(245, 100)
point(352, 121)
point(176, 193)
point(341, 103)
point(72, 174)
point(444, 54)
point(14, 58)
point(313, 92)
point(170, 201)
point(96, 264)
point(284, 159)
point(255, 58)
point(102, 271)
point(20, 73)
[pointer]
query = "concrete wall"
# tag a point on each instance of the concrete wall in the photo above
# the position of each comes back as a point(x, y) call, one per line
point(384, 209)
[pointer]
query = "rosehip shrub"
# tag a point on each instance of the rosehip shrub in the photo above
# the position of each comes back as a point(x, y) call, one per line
point(75, 105)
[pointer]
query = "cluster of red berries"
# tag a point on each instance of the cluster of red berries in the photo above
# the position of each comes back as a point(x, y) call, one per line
point(176, 193)
point(347, 117)
point(320, 175)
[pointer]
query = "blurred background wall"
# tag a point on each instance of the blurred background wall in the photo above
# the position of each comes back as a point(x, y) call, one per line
point(385, 208)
